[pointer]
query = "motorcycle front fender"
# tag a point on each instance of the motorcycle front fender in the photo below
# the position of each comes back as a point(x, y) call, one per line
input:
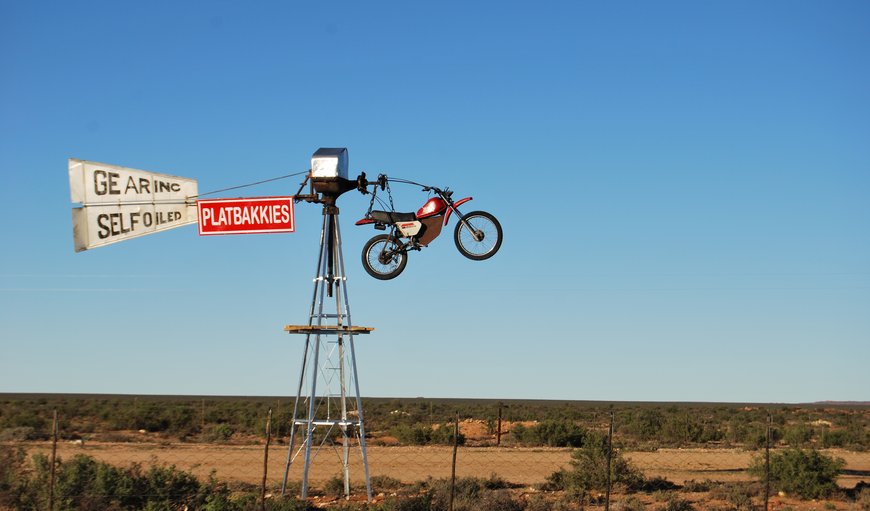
point(455, 205)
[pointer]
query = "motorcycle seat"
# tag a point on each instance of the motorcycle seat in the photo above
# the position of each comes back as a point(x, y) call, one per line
point(388, 217)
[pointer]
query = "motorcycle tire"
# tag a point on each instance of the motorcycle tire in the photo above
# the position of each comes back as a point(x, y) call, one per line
point(485, 239)
point(381, 265)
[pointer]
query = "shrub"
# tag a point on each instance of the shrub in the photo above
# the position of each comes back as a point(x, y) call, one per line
point(473, 494)
point(349, 506)
point(538, 502)
point(797, 436)
point(740, 497)
point(657, 483)
point(220, 433)
point(465, 488)
point(422, 434)
point(681, 427)
point(675, 503)
point(335, 486)
point(841, 438)
point(630, 504)
point(755, 436)
point(444, 435)
point(833, 438)
point(862, 500)
point(494, 500)
point(807, 474)
point(416, 503)
point(28, 419)
point(85, 484)
point(18, 434)
point(693, 486)
point(383, 483)
point(552, 433)
point(275, 504)
point(645, 424)
point(13, 483)
point(739, 494)
point(589, 470)
point(496, 482)
point(418, 434)
point(517, 432)
point(168, 483)
point(151, 419)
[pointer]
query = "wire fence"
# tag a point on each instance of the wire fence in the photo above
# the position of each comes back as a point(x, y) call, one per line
point(249, 448)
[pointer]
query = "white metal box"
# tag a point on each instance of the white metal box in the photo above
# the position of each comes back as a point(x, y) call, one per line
point(329, 162)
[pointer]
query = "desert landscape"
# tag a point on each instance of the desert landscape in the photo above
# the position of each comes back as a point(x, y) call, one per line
point(699, 452)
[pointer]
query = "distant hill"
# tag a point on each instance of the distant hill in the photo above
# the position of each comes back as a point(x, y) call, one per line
point(842, 403)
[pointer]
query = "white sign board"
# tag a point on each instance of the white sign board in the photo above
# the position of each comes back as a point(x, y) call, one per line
point(119, 203)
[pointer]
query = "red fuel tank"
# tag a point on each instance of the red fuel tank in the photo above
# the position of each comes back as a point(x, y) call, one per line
point(433, 206)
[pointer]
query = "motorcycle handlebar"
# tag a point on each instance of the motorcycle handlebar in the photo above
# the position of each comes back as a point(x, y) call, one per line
point(383, 180)
point(446, 192)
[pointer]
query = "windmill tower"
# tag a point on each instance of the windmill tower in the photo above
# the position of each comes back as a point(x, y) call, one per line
point(328, 413)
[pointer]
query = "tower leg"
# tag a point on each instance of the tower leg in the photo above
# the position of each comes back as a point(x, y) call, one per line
point(355, 373)
point(293, 431)
point(309, 435)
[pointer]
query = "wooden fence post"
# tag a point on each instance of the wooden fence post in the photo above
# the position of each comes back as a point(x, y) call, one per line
point(53, 461)
point(609, 458)
point(767, 465)
point(453, 466)
point(266, 461)
point(498, 431)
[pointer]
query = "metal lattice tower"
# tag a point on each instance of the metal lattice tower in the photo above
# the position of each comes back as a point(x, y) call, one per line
point(328, 413)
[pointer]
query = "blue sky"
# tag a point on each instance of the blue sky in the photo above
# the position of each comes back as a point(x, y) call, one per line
point(683, 188)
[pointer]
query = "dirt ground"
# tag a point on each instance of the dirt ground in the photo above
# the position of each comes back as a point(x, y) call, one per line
point(524, 466)
point(527, 466)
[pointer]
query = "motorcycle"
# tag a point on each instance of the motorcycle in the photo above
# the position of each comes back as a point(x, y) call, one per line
point(477, 234)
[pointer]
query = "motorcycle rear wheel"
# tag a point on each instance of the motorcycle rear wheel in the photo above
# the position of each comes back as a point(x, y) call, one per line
point(478, 235)
point(383, 257)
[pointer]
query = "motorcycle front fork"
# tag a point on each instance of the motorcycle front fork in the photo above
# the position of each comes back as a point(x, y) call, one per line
point(461, 219)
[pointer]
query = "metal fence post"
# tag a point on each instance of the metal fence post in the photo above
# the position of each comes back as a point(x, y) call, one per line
point(453, 465)
point(53, 460)
point(266, 461)
point(609, 458)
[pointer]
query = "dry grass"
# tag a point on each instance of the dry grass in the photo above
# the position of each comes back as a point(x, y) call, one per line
point(527, 466)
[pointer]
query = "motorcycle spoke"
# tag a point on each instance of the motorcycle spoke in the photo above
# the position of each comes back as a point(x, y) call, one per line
point(383, 258)
point(478, 235)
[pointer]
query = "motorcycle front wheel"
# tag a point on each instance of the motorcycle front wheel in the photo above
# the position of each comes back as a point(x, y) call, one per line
point(383, 257)
point(478, 235)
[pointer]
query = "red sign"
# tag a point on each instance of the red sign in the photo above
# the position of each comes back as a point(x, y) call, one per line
point(245, 216)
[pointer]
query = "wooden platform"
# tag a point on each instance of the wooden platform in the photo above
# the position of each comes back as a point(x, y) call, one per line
point(327, 329)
